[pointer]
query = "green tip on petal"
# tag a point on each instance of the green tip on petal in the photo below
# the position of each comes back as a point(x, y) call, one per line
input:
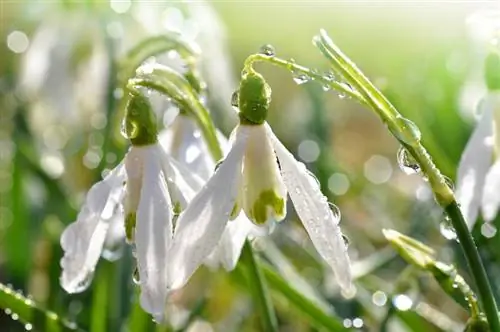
point(492, 71)
point(254, 98)
point(267, 200)
point(130, 221)
point(140, 121)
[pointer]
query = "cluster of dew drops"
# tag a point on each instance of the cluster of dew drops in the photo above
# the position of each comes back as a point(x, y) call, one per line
point(302, 77)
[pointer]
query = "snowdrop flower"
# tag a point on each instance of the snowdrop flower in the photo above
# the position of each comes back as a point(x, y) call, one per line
point(185, 144)
point(250, 179)
point(151, 188)
point(478, 179)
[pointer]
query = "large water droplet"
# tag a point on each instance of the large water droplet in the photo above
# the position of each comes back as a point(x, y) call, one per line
point(408, 131)
point(235, 98)
point(406, 162)
point(267, 49)
point(301, 78)
point(447, 230)
point(113, 253)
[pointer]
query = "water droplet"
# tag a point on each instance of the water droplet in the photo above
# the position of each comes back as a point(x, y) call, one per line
point(326, 87)
point(488, 230)
point(447, 230)
point(217, 165)
point(449, 183)
point(346, 240)
point(402, 302)
point(135, 277)
point(407, 131)
point(267, 49)
point(406, 162)
point(83, 284)
point(15, 316)
point(329, 76)
point(28, 327)
point(311, 174)
point(301, 78)
point(235, 98)
point(335, 211)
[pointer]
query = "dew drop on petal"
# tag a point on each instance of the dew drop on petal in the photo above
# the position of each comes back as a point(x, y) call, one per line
point(346, 240)
point(217, 165)
point(335, 211)
point(406, 162)
point(135, 277)
point(83, 284)
point(267, 49)
point(235, 98)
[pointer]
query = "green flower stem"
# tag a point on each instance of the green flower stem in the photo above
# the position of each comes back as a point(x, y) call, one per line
point(406, 135)
point(28, 312)
point(259, 288)
point(172, 84)
point(298, 69)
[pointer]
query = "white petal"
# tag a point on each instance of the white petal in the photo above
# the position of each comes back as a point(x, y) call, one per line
point(228, 251)
point(315, 213)
point(264, 194)
point(153, 236)
point(200, 226)
point(82, 241)
point(475, 162)
point(183, 184)
point(183, 141)
point(491, 193)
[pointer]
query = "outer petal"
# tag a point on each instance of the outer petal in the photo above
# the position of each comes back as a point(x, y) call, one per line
point(475, 162)
point(491, 194)
point(228, 251)
point(200, 226)
point(183, 183)
point(153, 236)
point(83, 240)
point(315, 213)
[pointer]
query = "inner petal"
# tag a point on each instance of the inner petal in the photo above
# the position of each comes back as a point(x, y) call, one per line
point(263, 191)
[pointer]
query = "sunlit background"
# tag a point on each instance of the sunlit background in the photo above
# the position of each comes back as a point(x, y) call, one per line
point(57, 135)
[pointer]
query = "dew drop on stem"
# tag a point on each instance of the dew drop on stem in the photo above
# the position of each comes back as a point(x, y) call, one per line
point(301, 78)
point(267, 49)
point(406, 162)
point(446, 229)
point(407, 132)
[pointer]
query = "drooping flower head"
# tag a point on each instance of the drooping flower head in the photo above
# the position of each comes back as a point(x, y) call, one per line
point(251, 179)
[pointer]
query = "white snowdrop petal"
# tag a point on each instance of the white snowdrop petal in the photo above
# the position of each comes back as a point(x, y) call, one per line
point(83, 240)
point(200, 226)
point(474, 163)
point(228, 250)
point(315, 213)
point(491, 193)
point(153, 236)
point(183, 183)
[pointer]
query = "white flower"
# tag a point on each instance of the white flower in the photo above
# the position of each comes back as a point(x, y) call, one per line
point(250, 179)
point(146, 187)
point(478, 179)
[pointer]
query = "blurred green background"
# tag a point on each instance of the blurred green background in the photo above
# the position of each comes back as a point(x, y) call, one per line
point(57, 134)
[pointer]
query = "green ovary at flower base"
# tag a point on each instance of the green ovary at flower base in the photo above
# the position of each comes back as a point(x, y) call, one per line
point(254, 98)
point(140, 122)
